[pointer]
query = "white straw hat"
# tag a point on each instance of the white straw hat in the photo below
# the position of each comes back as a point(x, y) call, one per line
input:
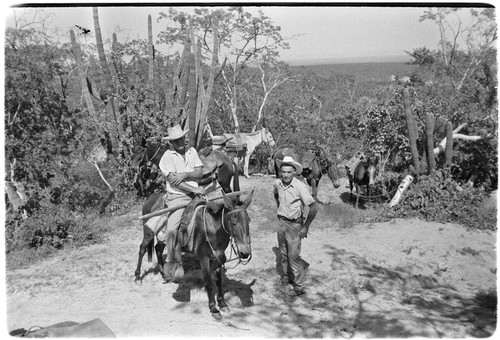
point(287, 160)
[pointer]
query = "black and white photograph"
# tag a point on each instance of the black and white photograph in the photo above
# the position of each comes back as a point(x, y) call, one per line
point(250, 170)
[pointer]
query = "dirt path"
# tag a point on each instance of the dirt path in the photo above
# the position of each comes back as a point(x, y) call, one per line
point(401, 278)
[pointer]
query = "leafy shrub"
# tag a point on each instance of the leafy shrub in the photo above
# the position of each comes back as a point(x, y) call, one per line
point(439, 198)
point(51, 227)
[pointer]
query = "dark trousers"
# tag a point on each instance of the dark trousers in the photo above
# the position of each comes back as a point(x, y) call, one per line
point(289, 243)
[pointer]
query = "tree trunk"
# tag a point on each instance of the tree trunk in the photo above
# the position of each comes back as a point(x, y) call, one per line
point(449, 144)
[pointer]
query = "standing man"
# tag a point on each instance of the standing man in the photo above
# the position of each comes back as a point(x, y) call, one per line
point(291, 197)
point(182, 168)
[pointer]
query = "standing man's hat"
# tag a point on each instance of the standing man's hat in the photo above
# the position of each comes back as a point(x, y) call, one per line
point(287, 160)
point(175, 132)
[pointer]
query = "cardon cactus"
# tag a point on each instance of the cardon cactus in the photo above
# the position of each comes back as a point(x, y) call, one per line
point(411, 130)
point(449, 144)
point(429, 133)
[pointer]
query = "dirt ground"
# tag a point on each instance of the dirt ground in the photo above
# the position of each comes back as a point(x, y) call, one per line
point(402, 278)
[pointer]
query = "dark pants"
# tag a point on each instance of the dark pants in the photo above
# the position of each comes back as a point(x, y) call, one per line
point(289, 243)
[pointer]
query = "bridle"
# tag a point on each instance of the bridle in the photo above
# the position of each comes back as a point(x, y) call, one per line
point(234, 246)
point(265, 137)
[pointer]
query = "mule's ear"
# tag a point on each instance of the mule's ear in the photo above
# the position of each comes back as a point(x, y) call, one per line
point(228, 202)
point(248, 200)
point(264, 122)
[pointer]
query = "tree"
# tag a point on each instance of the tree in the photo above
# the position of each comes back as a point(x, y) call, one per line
point(40, 126)
point(243, 39)
point(464, 48)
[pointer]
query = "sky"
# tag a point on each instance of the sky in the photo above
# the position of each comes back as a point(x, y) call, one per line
point(330, 31)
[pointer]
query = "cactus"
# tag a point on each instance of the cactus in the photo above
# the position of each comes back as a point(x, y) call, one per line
point(109, 91)
point(411, 130)
point(429, 133)
point(192, 88)
point(86, 94)
point(150, 52)
point(449, 144)
point(207, 93)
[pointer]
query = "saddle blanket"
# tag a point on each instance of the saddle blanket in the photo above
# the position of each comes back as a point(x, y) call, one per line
point(186, 231)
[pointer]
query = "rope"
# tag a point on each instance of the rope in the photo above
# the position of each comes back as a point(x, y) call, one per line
point(382, 195)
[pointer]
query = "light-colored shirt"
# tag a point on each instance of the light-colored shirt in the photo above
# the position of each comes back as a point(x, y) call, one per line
point(292, 198)
point(172, 161)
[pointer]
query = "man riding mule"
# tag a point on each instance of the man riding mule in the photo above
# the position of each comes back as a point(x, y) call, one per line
point(206, 229)
point(182, 168)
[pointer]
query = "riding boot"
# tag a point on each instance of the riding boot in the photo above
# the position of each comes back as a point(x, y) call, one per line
point(169, 270)
point(178, 273)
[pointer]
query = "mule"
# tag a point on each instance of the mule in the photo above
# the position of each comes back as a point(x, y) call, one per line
point(252, 141)
point(363, 174)
point(216, 225)
point(314, 166)
point(218, 168)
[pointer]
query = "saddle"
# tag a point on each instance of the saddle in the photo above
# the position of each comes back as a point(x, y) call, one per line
point(211, 162)
point(354, 161)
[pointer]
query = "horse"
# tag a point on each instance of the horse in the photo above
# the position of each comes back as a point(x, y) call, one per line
point(252, 140)
point(363, 174)
point(216, 225)
point(217, 166)
point(314, 166)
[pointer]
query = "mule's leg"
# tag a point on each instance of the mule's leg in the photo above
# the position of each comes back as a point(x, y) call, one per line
point(314, 186)
point(209, 286)
point(160, 246)
point(220, 293)
point(246, 165)
point(357, 194)
point(146, 243)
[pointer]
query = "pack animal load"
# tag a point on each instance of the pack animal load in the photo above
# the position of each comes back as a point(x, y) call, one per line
point(235, 146)
point(354, 161)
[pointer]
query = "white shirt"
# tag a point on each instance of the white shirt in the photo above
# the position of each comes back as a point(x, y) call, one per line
point(172, 161)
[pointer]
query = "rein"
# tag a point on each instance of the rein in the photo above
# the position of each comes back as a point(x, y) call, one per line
point(157, 150)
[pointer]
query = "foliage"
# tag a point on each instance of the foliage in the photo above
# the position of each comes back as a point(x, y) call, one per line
point(51, 227)
point(439, 198)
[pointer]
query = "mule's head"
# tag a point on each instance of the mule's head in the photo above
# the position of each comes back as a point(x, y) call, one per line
point(238, 224)
point(333, 174)
point(267, 137)
point(332, 170)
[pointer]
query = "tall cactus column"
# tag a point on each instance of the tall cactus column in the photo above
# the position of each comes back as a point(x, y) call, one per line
point(429, 133)
point(412, 131)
